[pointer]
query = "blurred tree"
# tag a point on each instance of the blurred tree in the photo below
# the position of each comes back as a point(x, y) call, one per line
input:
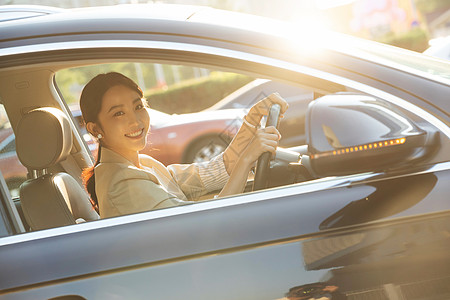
point(427, 6)
point(415, 39)
point(212, 86)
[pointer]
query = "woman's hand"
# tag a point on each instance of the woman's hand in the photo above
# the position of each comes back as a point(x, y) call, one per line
point(251, 141)
point(248, 144)
point(264, 140)
point(262, 107)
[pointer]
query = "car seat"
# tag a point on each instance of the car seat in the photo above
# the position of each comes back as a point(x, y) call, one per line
point(43, 140)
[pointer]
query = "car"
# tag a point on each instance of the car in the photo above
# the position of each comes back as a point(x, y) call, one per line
point(360, 211)
point(194, 137)
point(440, 47)
point(298, 99)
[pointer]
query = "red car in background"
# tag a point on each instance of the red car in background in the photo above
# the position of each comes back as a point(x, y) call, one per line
point(194, 137)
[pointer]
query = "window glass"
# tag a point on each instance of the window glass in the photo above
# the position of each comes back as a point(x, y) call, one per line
point(9, 147)
point(13, 171)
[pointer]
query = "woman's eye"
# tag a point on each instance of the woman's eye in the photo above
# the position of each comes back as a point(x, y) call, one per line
point(139, 107)
point(119, 113)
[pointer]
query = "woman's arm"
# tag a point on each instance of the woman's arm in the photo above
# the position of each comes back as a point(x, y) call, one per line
point(264, 140)
point(239, 157)
point(247, 132)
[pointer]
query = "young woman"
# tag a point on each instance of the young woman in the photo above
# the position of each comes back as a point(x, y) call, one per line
point(124, 181)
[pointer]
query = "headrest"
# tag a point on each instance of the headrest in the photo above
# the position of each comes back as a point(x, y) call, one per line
point(43, 138)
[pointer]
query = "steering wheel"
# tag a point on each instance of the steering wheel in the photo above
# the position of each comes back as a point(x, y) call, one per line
point(262, 166)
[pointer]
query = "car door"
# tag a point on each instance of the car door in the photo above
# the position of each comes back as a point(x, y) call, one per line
point(243, 248)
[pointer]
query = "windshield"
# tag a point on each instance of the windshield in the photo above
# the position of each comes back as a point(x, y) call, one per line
point(408, 61)
point(398, 57)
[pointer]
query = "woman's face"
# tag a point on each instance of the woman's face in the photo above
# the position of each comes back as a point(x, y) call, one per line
point(124, 120)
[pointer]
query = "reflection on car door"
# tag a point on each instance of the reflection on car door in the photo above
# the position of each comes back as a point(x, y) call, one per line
point(245, 248)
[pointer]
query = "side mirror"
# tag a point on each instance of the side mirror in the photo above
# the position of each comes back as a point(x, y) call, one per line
point(350, 133)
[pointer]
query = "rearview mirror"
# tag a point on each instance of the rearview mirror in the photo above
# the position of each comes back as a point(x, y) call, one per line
point(349, 133)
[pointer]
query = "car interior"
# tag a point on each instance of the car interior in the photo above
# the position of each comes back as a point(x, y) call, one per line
point(53, 195)
point(49, 127)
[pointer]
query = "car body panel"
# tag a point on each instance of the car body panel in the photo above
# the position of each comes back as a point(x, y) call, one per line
point(255, 274)
point(298, 213)
point(170, 144)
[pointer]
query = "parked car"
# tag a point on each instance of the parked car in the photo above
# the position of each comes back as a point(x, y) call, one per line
point(193, 137)
point(440, 48)
point(361, 211)
point(290, 127)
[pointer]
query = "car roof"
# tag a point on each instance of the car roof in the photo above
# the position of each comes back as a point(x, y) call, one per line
point(105, 13)
point(155, 18)
point(187, 23)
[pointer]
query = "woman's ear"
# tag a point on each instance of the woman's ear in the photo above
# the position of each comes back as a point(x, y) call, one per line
point(93, 129)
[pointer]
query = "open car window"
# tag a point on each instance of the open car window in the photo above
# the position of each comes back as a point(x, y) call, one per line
point(195, 112)
point(189, 95)
point(188, 122)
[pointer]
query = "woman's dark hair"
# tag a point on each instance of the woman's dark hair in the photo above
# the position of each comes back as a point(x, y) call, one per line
point(91, 104)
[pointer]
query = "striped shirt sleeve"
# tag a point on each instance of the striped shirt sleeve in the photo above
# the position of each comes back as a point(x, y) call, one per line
point(213, 173)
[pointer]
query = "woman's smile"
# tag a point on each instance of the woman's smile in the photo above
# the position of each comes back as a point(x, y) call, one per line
point(135, 134)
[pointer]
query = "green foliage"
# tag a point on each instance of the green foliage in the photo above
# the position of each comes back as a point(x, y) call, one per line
point(415, 40)
point(71, 81)
point(427, 6)
point(196, 94)
point(184, 94)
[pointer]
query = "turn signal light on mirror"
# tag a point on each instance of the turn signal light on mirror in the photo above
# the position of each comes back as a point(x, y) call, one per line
point(361, 148)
